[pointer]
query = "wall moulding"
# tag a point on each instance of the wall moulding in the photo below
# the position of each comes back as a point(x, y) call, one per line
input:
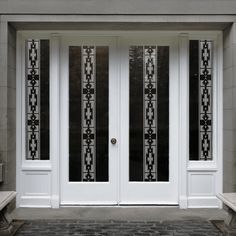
point(119, 22)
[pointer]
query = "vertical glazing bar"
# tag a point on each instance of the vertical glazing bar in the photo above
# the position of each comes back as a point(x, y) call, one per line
point(88, 113)
point(150, 113)
point(33, 100)
point(205, 100)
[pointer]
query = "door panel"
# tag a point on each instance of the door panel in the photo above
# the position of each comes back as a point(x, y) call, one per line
point(149, 151)
point(89, 176)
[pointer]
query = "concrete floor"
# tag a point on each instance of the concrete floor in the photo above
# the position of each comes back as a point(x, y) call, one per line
point(144, 213)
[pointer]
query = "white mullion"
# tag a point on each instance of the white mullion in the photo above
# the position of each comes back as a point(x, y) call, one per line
point(183, 118)
point(218, 112)
point(54, 117)
point(20, 144)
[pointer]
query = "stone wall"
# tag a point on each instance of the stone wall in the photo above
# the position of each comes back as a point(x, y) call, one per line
point(8, 105)
point(118, 7)
point(229, 112)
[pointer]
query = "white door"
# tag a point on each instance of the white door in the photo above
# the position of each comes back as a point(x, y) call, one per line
point(149, 114)
point(89, 120)
point(119, 120)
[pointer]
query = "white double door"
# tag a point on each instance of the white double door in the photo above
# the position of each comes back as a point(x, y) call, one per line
point(119, 120)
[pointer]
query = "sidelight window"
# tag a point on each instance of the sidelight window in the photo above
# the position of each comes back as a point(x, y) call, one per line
point(37, 99)
point(200, 99)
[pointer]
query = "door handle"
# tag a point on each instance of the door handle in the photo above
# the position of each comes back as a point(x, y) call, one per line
point(113, 141)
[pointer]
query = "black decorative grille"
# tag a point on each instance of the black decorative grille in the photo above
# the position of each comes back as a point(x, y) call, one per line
point(150, 113)
point(33, 100)
point(88, 113)
point(205, 100)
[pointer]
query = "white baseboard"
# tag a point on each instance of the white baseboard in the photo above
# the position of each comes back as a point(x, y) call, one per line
point(35, 201)
point(203, 202)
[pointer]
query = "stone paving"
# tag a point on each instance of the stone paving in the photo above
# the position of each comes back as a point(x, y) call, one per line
point(110, 228)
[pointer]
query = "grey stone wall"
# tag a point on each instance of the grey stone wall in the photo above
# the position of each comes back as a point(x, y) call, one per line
point(8, 105)
point(118, 6)
point(229, 112)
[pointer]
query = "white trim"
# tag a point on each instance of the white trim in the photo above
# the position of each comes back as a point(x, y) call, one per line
point(35, 201)
point(219, 116)
point(203, 202)
point(124, 110)
point(18, 117)
point(54, 118)
point(183, 118)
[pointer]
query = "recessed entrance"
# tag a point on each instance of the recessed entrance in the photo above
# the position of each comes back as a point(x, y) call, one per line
point(119, 120)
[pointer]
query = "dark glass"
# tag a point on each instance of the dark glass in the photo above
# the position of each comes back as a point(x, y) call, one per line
point(102, 86)
point(75, 113)
point(136, 113)
point(44, 100)
point(194, 100)
point(163, 113)
point(136, 139)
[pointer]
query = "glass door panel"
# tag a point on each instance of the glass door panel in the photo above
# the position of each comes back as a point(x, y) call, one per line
point(89, 120)
point(88, 113)
point(149, 113)
point(149, 156)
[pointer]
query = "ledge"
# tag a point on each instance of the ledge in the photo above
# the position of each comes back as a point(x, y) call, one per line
point(229, 199)
point(6, 197)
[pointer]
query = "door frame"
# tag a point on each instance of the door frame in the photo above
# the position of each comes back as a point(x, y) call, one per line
point(49, 195)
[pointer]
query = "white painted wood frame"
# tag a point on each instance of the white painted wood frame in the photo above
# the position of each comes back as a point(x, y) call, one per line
point(38, 182)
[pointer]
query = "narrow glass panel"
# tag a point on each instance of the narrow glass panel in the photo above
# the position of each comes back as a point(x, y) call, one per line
point(37, 99)
point(163, 113)
point(88, 102)
point(193, 100)
point(44, 99)
point(136, 113)
point(200, 130)
point(102, 63)
point(149, 113)
point(75, 113)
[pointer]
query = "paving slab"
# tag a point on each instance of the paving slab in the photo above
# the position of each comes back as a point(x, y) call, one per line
point(151, 220)
point(73, 227)
point(143, 213)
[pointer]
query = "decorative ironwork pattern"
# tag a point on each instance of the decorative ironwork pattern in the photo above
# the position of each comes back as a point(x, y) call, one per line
point(205, 100)
point(88, 113)
point(150, 113)
point(33, 99)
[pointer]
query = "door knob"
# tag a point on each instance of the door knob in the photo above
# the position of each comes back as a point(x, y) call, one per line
point(113, 141)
